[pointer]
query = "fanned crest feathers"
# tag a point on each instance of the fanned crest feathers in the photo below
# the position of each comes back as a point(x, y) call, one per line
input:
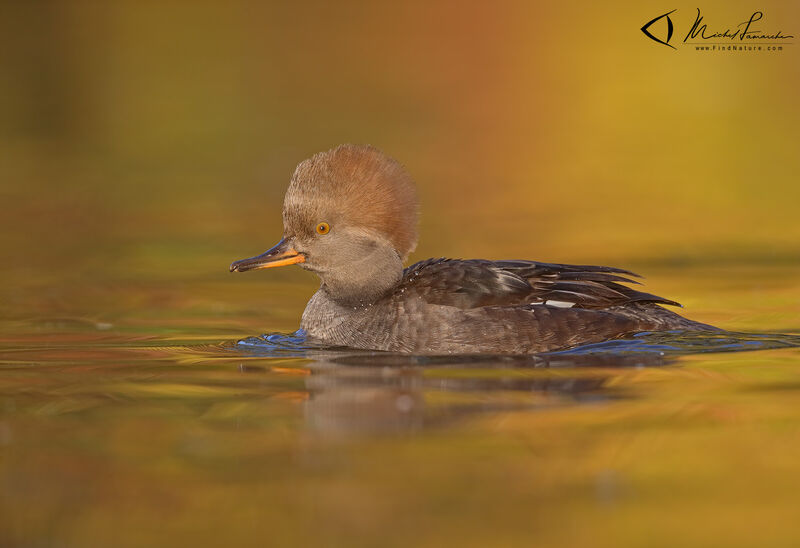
point(355, 185)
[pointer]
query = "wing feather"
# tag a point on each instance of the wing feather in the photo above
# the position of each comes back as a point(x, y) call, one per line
point(477, 283)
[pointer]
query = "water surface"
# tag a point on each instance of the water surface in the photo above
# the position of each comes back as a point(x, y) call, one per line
point(144, 431)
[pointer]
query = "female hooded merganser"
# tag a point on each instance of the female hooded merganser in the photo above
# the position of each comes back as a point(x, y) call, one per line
point(350, 216)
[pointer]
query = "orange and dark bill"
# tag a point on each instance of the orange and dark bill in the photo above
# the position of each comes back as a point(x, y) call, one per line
point(280, 255)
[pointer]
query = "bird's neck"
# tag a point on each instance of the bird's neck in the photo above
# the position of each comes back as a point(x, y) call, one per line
point(364, 281)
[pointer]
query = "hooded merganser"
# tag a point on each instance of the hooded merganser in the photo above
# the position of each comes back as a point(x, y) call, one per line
point(350, 216)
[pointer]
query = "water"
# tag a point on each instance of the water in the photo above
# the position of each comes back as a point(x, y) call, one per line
point(110, 437)
point(638, 346)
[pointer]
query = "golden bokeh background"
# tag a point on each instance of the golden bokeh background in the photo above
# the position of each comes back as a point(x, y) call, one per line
point(534, 130)
point(152, 142)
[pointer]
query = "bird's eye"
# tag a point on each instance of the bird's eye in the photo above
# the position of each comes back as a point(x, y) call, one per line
point(323, 228)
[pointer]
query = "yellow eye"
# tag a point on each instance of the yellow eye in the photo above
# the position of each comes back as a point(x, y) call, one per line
point(323, 228)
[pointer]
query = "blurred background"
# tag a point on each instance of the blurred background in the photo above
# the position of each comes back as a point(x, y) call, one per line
point(146, 145)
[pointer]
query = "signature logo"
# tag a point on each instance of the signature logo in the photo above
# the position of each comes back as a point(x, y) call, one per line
point(670, 28)
point(699, 33)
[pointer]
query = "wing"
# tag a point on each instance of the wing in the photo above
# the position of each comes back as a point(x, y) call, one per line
point(477, 283)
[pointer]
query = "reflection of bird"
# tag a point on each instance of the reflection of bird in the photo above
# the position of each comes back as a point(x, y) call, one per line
point(350, 216)
point(369, 393)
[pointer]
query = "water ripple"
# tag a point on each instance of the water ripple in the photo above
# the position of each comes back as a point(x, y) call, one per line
point(642, 349)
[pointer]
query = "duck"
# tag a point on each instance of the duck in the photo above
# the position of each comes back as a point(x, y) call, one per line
point(350, 216)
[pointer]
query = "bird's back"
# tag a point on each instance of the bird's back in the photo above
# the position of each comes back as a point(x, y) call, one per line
point(480, 306)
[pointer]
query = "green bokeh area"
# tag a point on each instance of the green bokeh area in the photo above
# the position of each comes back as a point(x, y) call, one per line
point(144, 146)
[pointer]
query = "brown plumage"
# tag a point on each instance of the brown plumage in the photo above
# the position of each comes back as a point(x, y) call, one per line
point(358, 184)
point(350, 216)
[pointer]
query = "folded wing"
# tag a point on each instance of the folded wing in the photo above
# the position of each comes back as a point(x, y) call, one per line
point(478, 283)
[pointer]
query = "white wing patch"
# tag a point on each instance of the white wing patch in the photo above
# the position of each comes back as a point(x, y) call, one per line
point(559, 304)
